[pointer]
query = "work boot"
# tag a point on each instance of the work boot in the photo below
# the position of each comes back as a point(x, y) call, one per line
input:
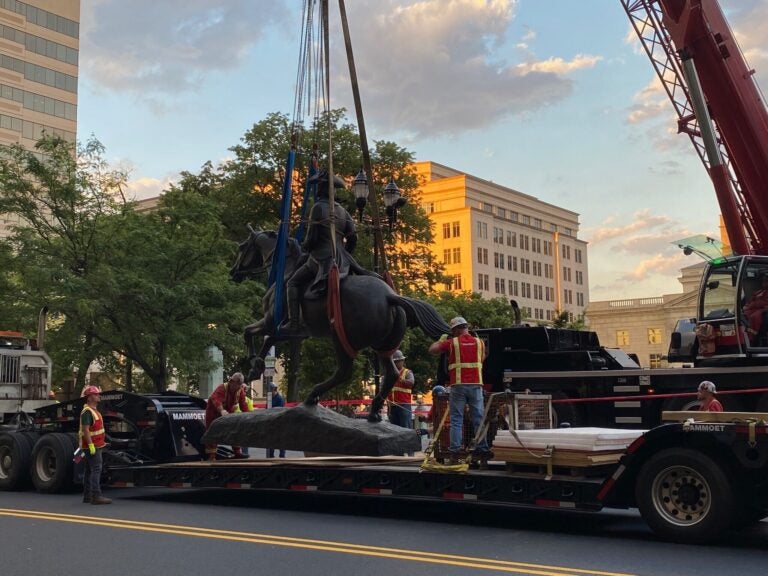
point(100, 500)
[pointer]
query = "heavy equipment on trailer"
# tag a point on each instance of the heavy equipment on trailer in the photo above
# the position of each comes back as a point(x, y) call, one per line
point(599, 386)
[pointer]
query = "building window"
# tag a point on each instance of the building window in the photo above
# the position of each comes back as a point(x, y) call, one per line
point(622, 337)
point(456, 226)
point(579, 299)
point(457, 281)
point(446, 230)
point(429, 207)
point(526, 220)
point(501, 212)
point(654, 336)
point(655, 360)
point(577, 255)
point(457, 255)
point(537, 222)
point(511, 239)
point(552, 227)
point(447, 256)
point(514, 216)
point(482, 230)
point(487, 207)
point(513, 288)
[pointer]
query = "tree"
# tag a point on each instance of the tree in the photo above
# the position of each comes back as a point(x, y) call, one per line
point(163, 297)
point(61, 193)
point(563, 319)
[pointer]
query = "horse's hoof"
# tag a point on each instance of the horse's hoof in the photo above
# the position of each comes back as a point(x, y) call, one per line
point(374, 418)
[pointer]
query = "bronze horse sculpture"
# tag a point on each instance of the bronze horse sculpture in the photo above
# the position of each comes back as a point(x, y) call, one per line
point(374, 316)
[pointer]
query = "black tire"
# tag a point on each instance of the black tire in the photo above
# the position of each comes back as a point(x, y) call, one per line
point(685, 496)
point(565, 412)
point(15, 455)
point(52, 466)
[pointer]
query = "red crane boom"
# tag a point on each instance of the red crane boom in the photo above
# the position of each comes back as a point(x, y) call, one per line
point(718, 103)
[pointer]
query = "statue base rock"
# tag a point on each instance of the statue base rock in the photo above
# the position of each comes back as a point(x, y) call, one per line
point(312, 429)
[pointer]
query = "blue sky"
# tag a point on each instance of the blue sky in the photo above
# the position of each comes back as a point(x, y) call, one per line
point(549, 97)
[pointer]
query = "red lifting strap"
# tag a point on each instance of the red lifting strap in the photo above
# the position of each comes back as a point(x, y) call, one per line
point(333, 305)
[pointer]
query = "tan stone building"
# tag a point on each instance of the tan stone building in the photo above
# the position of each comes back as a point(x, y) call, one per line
point(503, 243)
point(643, 325)
point(39, 51)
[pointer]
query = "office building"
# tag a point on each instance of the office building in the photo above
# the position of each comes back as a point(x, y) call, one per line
point(503, 243)
point(39, 51)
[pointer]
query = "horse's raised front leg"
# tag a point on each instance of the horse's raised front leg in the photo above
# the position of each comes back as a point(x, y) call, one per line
point(388, 382)
point(343, 372)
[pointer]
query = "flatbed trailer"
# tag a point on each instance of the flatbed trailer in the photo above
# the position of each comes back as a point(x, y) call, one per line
point(690, 481)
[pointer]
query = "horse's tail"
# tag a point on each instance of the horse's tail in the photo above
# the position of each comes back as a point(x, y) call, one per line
point(421, 315)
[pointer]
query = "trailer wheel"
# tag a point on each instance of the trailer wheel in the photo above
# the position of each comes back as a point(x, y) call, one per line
point(684, 496)
point(15, 452)
point(52, 466)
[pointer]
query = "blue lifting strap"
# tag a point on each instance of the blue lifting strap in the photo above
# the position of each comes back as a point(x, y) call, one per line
point(277, 271)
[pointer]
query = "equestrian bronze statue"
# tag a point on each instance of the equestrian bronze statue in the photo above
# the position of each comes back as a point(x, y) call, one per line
point(374, 316)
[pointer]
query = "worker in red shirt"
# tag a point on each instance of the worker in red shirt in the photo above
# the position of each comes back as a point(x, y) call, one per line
point(706, 396)
point(465, 381)
point(401, 396)
point(223, 401)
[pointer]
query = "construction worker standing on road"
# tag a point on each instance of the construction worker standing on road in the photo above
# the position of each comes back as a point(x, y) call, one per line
point(92, 442)
point(223, 401)
point(465, 370)
point(401, 396)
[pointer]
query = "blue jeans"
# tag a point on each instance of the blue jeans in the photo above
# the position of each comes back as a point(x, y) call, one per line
point(271, 453)
point(462, 395)
point(400, 415)
point(92, 476)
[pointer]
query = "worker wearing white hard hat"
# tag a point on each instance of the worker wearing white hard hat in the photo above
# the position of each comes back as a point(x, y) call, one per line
point(706, 395)
point(465, 370)
point(400, 397)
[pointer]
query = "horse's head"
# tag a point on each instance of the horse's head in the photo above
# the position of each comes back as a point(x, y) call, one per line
point(254, 254)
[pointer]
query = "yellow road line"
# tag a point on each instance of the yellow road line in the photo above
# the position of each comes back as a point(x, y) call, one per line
point(323, 545)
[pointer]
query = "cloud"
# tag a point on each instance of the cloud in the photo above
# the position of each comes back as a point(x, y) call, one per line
point(430, 68)
point(658, 265)
point(642, 220)
point(559, 65)
point(667, 168)
point(150, 47)
point(749, 23)
point(142, 188)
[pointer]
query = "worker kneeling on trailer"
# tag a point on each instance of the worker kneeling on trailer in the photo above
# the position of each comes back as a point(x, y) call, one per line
point(92, 442)
point(223, 401)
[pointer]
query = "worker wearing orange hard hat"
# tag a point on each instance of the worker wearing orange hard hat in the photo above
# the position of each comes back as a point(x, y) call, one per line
point(92, 442)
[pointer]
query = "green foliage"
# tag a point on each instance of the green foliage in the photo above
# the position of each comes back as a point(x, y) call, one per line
point(563, 320)
point(150, 287)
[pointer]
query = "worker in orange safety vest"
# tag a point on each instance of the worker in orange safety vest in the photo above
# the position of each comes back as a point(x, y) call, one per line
point(401, 396)
point(465, 383)
point(92, 437)
point(220, 403)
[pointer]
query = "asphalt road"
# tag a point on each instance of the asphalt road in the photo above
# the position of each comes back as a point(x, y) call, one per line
point(166, 532)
